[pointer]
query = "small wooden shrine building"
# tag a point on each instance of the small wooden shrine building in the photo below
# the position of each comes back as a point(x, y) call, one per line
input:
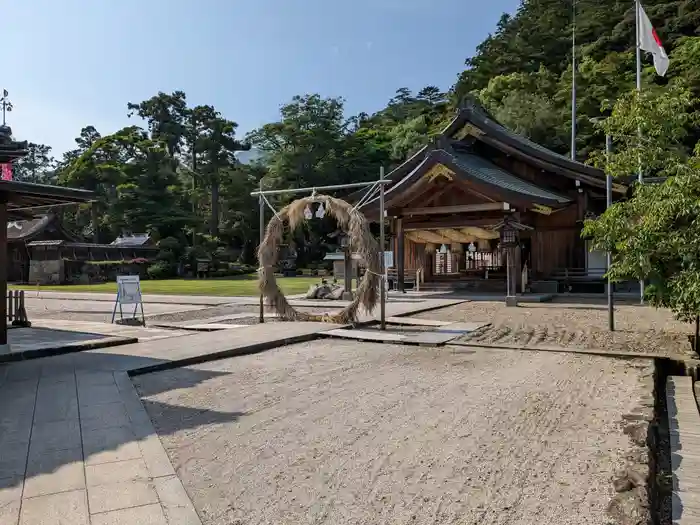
point(448, 205)
point(22, 233)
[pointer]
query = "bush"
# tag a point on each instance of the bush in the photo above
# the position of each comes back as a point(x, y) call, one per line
point(162, 270)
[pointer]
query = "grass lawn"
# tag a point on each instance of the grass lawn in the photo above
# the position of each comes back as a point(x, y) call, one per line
point(244, 285)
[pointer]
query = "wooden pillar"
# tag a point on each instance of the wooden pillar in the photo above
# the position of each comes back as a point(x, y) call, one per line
point(579, 248)
point(400, 254)
point(517, 263)
point(3, 269)
point(347, 270)
point(511, 298)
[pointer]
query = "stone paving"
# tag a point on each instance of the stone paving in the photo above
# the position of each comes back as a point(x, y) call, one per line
point(77, 446)
point(40, 341)
point(147, 333)
point(684, 430)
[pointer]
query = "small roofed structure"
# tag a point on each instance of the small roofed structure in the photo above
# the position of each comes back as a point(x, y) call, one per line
point(138, 239)
point(20, 233)
point(447, 204)
point(17, 202)
point(42, 251)
point(338, 260)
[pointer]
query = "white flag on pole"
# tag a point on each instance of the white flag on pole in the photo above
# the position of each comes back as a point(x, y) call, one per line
point(649, 41)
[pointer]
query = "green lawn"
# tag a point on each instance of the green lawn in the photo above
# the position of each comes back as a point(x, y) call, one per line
point(245, 285)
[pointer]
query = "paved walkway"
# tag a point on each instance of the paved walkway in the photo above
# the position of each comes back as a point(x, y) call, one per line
point(684, 430)
point(76, 444)
point(147, 333)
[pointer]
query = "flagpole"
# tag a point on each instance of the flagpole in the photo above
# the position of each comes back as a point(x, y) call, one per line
point(573, 81)
point(639, 75)
point(639, 53)
point(639, 131)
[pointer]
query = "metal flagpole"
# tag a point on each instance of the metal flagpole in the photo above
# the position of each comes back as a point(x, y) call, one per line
point(573, 82)
point(382, 292)
point(639, 53)
point(261, 203)
point(608, 198)
point(639, 131)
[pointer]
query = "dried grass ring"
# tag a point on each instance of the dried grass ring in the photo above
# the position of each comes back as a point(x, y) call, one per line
point(362, 242)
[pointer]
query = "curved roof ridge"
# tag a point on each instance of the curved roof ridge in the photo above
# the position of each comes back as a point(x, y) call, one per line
point(471, 110)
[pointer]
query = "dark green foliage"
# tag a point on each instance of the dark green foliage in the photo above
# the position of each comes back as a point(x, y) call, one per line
point(179, 180)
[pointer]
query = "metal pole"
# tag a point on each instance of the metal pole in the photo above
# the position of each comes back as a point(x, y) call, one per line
point(321, 188)
point(573, 83)
point(639, 51)
point(261, 203)
point(639, 131)
point(608, 198)
point(382, 292)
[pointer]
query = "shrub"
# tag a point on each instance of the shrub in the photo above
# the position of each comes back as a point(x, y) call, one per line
point(162, 270)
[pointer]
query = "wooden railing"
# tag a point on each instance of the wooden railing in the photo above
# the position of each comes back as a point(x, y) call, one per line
point(16, 311)
point(578, 274)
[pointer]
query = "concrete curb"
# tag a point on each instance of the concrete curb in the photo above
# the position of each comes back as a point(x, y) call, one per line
point(689, 361)
point(223, 354)
point(78, 346)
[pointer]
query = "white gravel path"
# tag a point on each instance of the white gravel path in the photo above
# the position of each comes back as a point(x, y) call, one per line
point(339, 432)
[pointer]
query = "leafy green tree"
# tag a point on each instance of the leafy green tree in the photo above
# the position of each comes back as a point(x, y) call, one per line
point(215, 146)
point(655, 235)
point(38, 166)
point(167, 117)
point(135, 181)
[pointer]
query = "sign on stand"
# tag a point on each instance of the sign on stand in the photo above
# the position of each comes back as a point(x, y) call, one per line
point(388, 263)
point(128, 294)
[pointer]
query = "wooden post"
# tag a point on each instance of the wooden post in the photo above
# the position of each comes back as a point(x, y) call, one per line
point(347, 270)
point(3, 269)
point(517, 267)
point(400, 255)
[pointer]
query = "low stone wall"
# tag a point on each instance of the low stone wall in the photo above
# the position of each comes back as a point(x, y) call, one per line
point(46, 272)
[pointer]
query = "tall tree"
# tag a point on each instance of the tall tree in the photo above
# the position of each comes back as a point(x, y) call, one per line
point(655, 235)
point(215, 145)
point(38, 166)
point(167, 117)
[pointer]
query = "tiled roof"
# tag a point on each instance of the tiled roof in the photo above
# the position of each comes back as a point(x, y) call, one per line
point(17, 230)
point(132, 240)
point(482, 169)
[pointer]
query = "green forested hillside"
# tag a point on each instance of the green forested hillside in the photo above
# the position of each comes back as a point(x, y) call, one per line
point(179, 179)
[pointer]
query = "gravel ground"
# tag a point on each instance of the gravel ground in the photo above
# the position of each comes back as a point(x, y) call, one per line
point(637, 328)
point(95, 311)
point(339, 432)
point(203, 313)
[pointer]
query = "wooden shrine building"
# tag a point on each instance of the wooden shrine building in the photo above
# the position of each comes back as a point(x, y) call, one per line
point(451, 203)
point(17, 200)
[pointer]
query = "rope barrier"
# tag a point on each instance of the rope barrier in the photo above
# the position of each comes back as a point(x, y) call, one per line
point(367, 196)
point(270, 206)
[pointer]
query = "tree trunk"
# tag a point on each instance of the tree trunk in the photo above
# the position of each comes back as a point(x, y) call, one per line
point(214, 219)
point(94, 219)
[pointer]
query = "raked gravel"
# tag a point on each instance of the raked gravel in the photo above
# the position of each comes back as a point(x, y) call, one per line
point(338, 432)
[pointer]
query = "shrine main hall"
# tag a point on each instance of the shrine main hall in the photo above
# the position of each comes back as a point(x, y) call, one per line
point(481, 208)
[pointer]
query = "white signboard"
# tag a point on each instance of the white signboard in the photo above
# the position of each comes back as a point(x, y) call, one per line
point(388, 260)
point(128, 293)
point(128, 289)
point(388, 263)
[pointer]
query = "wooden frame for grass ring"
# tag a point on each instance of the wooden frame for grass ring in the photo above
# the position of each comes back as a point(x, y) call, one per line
point(361, 240)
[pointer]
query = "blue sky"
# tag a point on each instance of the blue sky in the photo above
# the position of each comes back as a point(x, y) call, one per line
point(78, 62)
